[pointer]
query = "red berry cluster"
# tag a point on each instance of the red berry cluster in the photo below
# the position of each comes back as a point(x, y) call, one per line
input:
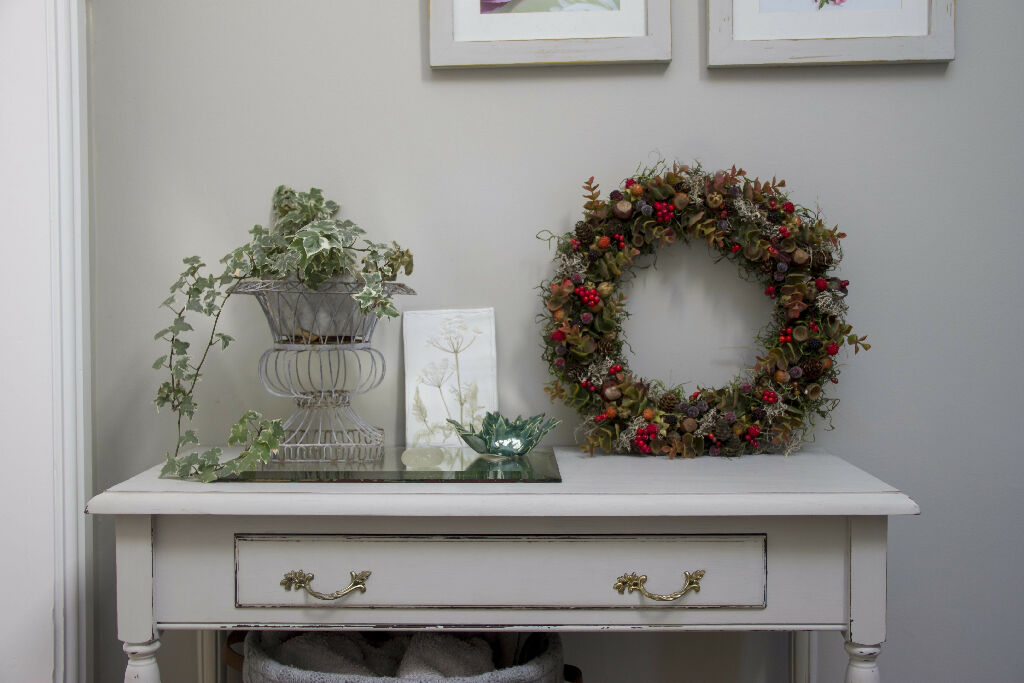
point(642, 440)
point(663, 212)
point(753, 431)
point(630, 183)
point(735, 248)
point(769, 291)
point(769, 396)
point(832, 349)
point(787, 335)
point(695, 395)
point(575, 244)
point(615, 369)
point(600, 418)
point(558, 335)
point(589, 297)
point(784, 231)
point(714, 439)
point(813, 325)
point(788, 207)
point(589, 386)
point(821, 284)
point(773, 205)
point(620, 239)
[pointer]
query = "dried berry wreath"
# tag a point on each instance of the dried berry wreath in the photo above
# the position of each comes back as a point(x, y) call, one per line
point(768, 408)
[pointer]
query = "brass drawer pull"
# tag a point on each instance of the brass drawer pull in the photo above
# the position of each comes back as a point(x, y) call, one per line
point(300, 580)
point(631, 582)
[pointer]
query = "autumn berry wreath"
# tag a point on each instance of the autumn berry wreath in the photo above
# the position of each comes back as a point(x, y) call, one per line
point(786, 247)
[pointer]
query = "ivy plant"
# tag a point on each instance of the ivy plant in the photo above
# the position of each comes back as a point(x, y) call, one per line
point(305, 242)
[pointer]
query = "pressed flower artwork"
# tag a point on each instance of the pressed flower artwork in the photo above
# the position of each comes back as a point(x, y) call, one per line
point(450, 373)
point(493, 20)
point(818, 19)
point(804, 6)
point(517, 6)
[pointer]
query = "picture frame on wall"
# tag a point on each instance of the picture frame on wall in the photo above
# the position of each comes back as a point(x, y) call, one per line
point(795, 32)
point(466, 33)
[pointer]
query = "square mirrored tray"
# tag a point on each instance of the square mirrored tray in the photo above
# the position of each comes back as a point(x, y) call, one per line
point(422, 464)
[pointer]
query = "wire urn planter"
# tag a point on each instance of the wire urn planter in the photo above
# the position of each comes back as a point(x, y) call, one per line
point(322, 356)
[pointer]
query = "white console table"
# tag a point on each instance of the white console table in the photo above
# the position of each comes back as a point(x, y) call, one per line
point(792, 543)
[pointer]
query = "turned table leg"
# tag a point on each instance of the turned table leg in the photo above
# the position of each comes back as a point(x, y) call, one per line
point(863, 667)
point(136, 627)
point(142, 667)
point(866, 632)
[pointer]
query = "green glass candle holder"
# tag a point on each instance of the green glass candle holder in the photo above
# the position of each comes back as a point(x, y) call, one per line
point(500, 436)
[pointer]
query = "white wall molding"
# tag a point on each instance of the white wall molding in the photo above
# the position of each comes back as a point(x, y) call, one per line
point(71, 438)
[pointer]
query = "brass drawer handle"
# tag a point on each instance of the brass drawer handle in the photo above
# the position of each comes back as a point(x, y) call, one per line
point(631, 582)
point(300, 580)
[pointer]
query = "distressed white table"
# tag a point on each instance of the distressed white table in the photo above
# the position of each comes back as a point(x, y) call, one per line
point(792, 543)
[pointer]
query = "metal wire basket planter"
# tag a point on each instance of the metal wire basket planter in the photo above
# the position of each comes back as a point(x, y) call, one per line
point(321, 357)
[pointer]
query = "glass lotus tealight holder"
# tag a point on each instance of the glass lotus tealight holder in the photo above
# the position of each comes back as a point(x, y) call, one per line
point(500, 436)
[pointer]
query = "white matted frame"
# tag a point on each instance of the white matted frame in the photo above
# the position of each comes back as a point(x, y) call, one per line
point(937, 45)
point(445, 51)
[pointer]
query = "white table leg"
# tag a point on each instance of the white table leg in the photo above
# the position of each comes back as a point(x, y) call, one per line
point(863, 667)
point(142, 667)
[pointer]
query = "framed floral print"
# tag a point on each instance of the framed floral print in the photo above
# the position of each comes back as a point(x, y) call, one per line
point(530, 32)
point(792, 32)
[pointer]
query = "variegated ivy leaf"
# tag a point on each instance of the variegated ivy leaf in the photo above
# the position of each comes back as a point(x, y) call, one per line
point(366, 299)
point(311, 241)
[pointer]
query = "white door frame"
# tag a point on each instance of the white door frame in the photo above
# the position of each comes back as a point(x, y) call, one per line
point(72, 434)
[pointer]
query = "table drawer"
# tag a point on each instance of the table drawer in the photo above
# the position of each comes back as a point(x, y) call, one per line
point(491, 571)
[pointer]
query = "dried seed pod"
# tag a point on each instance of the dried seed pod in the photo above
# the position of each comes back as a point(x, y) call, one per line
point(813, 391)
point(714, 200)
point(781, 376)
point(801, 333)
point(610, 391)
point(689, 425)
point(680, 200)
point(623, 209)
point(800, 257)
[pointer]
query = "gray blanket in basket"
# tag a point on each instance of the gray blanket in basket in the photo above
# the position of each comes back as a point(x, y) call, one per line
point(316, 657)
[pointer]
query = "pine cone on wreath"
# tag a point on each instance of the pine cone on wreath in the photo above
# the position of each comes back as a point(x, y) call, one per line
point(668, 403)
point(812, 368)
point(585, 233)
point(607, 347)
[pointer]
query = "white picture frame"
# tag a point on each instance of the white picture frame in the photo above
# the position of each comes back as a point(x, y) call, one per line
point(936, 44)
point(654, 45)
point(451, 371)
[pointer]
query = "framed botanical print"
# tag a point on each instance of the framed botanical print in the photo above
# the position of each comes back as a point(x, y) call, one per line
point(451, 372)
point(525, 32)
point(791, 32)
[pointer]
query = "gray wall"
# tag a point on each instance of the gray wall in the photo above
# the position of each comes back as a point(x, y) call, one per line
point(200, 108)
